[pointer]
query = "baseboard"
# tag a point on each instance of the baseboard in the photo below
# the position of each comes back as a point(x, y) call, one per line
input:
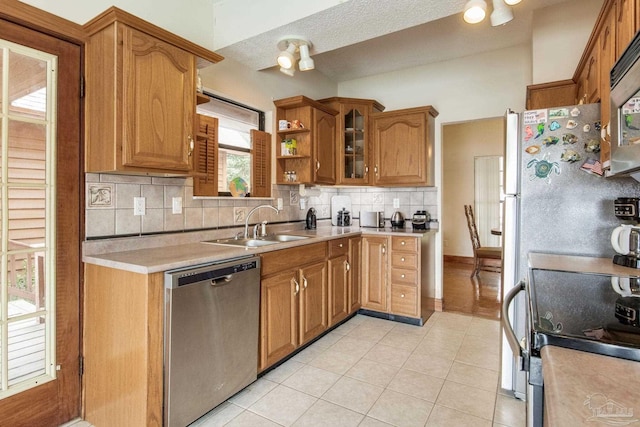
point(458, 259)
point(470, 260)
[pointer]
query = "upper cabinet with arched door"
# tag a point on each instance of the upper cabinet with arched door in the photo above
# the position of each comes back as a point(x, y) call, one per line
point(140, 96)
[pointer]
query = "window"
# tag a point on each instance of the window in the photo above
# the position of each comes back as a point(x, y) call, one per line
point(235, 151)
point(27, 212)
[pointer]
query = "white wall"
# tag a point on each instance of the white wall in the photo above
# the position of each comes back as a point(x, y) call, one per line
point(190, 19)
point(560, 35)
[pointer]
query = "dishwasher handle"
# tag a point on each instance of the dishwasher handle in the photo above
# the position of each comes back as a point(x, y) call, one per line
point(223, 280)
point(506, 323)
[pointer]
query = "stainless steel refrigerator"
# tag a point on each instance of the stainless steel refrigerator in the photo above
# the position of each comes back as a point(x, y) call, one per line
point(555, 201)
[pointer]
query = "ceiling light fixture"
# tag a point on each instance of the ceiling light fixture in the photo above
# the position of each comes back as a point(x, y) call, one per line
point(501, 13)
point(306, 63)
point(289, 46)
point(475, 11)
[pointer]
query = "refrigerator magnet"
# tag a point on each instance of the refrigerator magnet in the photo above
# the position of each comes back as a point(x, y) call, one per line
point(569, 138)
point(558, 113)
point(554, 125)
point(529, 133)
point(570, 156)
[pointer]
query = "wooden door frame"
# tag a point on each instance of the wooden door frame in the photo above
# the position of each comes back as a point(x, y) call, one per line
point(35, 28)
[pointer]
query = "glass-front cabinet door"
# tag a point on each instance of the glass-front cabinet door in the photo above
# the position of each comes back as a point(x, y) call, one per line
point(354, 149)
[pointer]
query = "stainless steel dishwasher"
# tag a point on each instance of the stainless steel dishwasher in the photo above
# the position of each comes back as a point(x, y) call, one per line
point(210, 336)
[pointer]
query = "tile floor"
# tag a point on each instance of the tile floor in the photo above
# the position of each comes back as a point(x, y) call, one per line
point(372, 372)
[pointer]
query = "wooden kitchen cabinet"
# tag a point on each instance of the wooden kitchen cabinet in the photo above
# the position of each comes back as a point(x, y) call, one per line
point(122, 347)
point(293, 307)
point(549, 95)
point(353, 155)
point(627, 23)
point(313, 161)
point(339, 272)
point(405, 276)
point(313, 301)
point(403, 142)
point(355, 276)
point(278, 317)
point(374, 273)
point(140, 96)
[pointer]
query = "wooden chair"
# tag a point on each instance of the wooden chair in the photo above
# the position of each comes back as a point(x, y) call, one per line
point(480, 253)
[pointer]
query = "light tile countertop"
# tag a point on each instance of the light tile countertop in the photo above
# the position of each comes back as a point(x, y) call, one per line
point(152, 254)
point(589, 389)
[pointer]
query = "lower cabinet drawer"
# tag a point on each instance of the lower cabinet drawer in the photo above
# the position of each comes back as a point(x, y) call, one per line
point(404, 260)
point(404, 300)
point(401, 275)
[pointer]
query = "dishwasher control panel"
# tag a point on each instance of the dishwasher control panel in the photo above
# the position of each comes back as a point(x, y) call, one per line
point(209, 272)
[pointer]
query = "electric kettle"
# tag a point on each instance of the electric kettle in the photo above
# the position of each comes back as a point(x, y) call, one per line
point(311, 219)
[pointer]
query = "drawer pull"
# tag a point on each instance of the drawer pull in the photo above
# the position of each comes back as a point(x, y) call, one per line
point(401, 295)
point(340, 245)
point(402, 259)
point(403, 243)
point(402, 275)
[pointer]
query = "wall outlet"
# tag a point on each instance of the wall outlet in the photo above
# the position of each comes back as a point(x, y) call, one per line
point(396, 203)
point(239, 215)
point(138, 205)
point(280, 203)
point(303, 204)
point(176, 205)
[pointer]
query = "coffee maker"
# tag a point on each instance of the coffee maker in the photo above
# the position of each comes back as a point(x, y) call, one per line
point(625, 238)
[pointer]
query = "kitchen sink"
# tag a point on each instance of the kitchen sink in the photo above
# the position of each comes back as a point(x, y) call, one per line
point(255, 243)
point(245, 243)
point(285, 238)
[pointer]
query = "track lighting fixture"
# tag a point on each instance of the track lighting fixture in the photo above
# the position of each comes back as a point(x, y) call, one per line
point(476, 10)
point(289, 46)
point(501, 13)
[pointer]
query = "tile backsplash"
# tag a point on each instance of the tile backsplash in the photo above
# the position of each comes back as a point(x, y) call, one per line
point(110, 205)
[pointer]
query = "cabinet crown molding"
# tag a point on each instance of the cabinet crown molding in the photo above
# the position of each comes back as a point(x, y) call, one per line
point(116, 15)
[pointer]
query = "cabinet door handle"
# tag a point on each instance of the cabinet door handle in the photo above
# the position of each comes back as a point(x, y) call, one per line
point(375, 170)
point(384, 249)
point(317, 165)
point(366, 170)
point(347, 266)
point(304, 280)
point(297, 286)
point(192, 145)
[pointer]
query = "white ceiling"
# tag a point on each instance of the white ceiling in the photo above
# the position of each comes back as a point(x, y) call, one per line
point(360, 38)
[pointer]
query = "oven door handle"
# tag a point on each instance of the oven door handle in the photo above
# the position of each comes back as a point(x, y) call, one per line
point(506, 323)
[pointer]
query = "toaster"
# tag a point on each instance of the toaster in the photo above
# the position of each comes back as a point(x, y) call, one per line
point(372, 219)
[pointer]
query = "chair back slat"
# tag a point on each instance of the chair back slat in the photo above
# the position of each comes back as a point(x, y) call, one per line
point(473, 231)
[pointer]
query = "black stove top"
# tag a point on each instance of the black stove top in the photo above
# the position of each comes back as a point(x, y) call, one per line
point(598, 313)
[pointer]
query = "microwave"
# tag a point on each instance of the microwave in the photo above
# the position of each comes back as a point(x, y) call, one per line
point(625, 112)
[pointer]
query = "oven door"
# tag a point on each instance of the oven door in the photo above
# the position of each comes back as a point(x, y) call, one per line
point(532, 365)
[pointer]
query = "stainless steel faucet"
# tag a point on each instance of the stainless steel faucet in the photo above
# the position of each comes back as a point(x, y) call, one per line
point(246, 220)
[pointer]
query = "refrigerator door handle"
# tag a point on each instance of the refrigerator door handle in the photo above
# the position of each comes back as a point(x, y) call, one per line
point(506, 323)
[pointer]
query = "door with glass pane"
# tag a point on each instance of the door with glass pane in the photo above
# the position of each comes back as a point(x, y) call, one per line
point(39, 227)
